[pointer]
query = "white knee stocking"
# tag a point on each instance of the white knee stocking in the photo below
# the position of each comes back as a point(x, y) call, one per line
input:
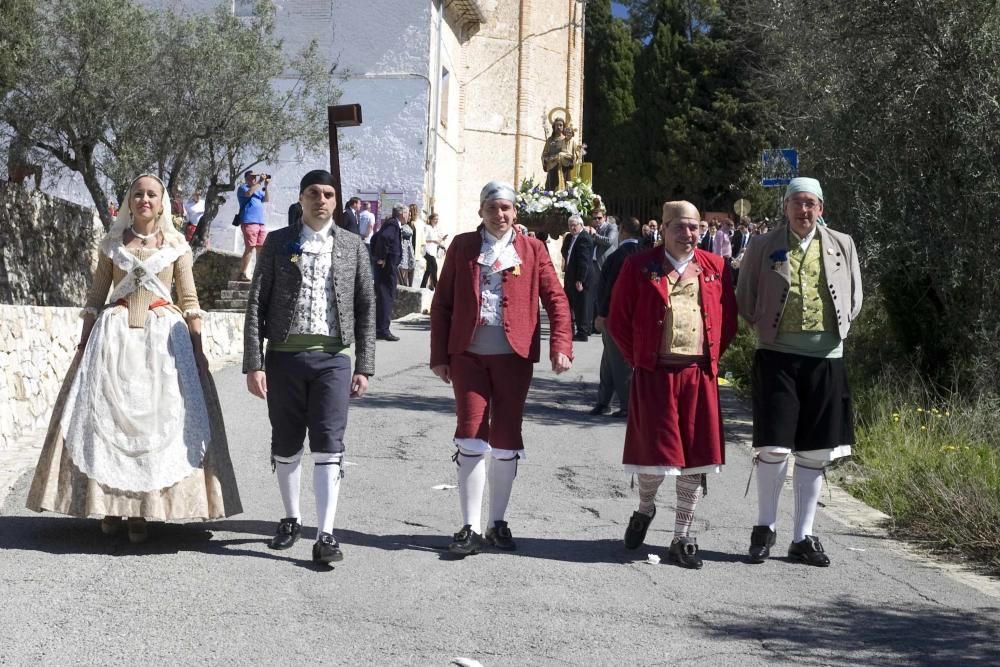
point(289, 472)
point(771, 473)
point(502, 473)
point(326, 486)
point(471, 482)
point(807, 483)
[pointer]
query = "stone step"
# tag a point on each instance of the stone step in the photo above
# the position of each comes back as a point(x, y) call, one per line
point(229, 310)
point(234, 293)
point(238, 284)
point(231, 304)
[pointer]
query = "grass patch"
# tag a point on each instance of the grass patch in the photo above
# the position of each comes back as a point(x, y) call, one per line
point(933, 467)
point(737, 360)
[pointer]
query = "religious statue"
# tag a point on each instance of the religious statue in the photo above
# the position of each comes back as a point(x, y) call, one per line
point(561, 152)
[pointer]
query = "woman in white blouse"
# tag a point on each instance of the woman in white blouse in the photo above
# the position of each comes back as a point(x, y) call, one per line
point(433, 247)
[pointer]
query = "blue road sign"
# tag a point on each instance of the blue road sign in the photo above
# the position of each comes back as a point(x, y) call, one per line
point(778, 166)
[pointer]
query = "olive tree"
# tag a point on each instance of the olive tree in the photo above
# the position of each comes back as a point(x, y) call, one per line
point(115, 89)
point(896, 107)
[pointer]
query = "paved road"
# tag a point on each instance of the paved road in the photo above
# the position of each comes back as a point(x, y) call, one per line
point(571, 594)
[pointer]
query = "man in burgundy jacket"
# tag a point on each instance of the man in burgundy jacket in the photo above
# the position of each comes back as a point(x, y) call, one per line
point(485, 340)
point(673, 313)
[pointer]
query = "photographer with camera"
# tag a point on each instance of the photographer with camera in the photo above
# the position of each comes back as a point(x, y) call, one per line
point(251, 196)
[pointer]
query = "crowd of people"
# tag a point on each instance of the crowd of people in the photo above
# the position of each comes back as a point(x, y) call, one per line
point(137, 433)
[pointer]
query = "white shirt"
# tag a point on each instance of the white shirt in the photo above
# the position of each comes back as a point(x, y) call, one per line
point(432, 240)
point(805, 240)
point(366, 223)
point(316, 309)
point(679, 264)
point(194, 210)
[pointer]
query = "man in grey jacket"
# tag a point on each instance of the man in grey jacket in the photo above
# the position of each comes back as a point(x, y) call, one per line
point(800, 289)
point(312, 298)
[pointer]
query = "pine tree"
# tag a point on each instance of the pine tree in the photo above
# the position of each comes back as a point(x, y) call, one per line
point(608, 98)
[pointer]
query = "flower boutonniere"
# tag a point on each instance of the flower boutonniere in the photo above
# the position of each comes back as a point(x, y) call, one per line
point(778, 257)
point(516, 270)
point(295, 250)
point(653, 271)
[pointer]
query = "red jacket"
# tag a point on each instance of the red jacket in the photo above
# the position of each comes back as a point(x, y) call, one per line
point(639, 303)
point(455, 308)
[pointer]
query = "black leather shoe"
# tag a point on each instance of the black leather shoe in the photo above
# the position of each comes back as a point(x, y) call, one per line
point(620, 414)
point(761, 540)
point(809, 551)
point(581, 338)
point(598, 410)
point(499, 536)
point(635, 534)
point(287, 533)
point(326, 550)
point(389, 337)
point(466, 542)
point(684, 552)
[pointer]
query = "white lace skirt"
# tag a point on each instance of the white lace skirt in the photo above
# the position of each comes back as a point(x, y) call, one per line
point(135, 418)
point(136, 431)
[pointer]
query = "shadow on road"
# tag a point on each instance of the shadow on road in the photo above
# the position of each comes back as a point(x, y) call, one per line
point(848, 633)
point(66, 535)
point(553, 401)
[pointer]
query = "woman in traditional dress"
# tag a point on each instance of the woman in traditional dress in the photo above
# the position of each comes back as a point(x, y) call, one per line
point(137, 430)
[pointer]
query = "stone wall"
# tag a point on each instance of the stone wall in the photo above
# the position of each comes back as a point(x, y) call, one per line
point(212, 272)
point(37, 345)
point(36, 229)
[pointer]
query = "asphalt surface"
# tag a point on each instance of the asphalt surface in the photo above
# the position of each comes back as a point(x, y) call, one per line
point(570, 595)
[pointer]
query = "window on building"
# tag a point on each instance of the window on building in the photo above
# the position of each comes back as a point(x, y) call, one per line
point(445, 85)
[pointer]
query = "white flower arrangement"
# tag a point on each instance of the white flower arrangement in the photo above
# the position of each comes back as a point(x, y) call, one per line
point(577, 198)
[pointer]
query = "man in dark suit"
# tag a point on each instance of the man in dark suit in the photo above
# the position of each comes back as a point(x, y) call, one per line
point(581, 273)
point(387, 252)
point(707, 240)
point(615, 372)
point(349, 220)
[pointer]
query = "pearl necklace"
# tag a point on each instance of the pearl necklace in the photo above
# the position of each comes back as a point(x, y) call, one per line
point(143, 237)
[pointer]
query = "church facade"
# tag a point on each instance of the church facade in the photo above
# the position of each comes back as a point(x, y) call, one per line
point(454, 93)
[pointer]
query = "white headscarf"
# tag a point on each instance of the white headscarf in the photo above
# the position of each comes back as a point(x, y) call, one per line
point(164, 223)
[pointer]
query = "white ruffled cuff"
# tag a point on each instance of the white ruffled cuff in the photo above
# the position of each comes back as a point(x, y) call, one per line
point(193, 313)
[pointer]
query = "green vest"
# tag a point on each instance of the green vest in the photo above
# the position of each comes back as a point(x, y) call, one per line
point(809, 306)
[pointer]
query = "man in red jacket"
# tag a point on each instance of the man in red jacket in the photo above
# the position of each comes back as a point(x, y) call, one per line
point(485, 339)
point(673, 313)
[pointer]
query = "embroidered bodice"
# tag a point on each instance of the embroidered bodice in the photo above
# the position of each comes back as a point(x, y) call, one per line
point(142, 276)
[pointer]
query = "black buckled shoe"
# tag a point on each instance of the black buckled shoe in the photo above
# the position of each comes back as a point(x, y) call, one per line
point(287, 533)
point(466, 542)
point(684, 552)
point(809, 551)
point(598, 410)
point(761, 540)
point(635, 534)
point(499, 536)
point(326, 550)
